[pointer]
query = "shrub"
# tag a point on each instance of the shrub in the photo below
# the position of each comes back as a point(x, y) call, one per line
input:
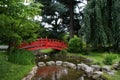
point(109, 58)
point(97, 63)
point(75, 45)
point(20, 56)
point(62, 54)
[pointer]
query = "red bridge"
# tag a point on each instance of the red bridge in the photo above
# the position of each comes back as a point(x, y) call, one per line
point(44, 43)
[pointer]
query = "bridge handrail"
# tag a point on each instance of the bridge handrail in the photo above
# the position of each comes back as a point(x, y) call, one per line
point(44, 42)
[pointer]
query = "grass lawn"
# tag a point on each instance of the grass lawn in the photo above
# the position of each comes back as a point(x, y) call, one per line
point(46, 50)
point(10, 71)
point(99, 57)
point(116, 76)
point(95, 56)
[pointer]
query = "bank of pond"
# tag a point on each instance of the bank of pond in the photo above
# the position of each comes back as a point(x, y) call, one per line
point(57, 68)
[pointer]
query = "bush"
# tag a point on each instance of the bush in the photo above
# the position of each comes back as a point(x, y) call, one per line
point(62, 54)
point(97, 63)
point(75, 45)
point(109, 58)
point(20, 56)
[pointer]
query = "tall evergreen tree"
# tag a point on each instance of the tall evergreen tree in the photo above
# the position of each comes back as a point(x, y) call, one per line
point(52, 13)
point(73, 20)
point(65, 12)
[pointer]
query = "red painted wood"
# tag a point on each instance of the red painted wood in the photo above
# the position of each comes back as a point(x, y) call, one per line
point(44, 43)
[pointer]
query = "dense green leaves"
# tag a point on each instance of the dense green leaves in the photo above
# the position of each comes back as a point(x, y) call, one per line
point(21, 57)
point(75, 45)
point(100, 23)
point(17, 22)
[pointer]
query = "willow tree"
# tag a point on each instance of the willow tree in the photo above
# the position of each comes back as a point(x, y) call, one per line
point(100, 23)
point(116, 24)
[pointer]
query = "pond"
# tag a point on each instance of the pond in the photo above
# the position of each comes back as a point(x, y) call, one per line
point(58, 73)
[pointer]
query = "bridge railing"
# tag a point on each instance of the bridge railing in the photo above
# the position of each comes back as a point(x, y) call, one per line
point(44, 43)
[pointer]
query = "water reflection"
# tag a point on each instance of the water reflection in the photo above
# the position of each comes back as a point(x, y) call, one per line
point(50, 73)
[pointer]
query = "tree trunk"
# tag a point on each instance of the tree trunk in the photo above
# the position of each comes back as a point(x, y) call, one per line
point(10, 45)
point(109, 4)
point(71, 8)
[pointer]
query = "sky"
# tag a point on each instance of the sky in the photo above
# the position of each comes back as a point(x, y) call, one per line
point(81, 5)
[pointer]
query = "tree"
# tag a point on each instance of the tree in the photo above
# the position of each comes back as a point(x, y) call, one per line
point(52, 14)
point(116, 24)
point(64, 12)
point(99, 23)
point(17, 23)
point(74, 18)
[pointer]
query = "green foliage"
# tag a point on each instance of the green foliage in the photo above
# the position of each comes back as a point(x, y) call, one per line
point(116, 76)
point(7, 30)
point(94, 27)
point(17, 22)
point(109, 58)
point(63, 53)
point(19, 56)
point(101, 23)
point(3, 56)
point(97, 63)
point(13, 31)
point(51, 14)
point(106, 77)
point(75, 45)
point(66, 37)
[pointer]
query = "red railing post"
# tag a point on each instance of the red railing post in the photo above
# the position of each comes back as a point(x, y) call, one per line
point(46, 43)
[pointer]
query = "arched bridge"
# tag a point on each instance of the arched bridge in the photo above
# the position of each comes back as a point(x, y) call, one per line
point(44, 43)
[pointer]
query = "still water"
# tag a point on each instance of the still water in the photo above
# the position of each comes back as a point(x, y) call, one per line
point(57, 73)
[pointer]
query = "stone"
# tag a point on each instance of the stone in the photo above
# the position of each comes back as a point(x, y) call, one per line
point(96, 67)
point(29, 77)
point(50, 63)
point(106, 68)
point(96, 75)
point(82, 66)
point(111, 72)
point(81, 78)
point(35, 69)
point(116, 66)
point(71, 65)
point(45, 56)
point(59, 63)
point(31, 74)
point(89, 71)
point(65, 64)
point(41, 64)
